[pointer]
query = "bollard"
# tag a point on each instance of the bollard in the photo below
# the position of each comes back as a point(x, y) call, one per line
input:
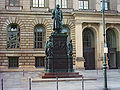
point(2, 84)
point(118, 69)
point(97, 71)
point(30, 84)
point(57, 82)
point(82, 83)
point(23, 72)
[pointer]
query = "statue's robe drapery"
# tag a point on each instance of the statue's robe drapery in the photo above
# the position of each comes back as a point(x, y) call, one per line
point(57, 16)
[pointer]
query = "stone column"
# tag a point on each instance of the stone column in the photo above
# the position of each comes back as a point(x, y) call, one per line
point(101, 43)
point(118, 51)
point(100, 46)
point(79, 45)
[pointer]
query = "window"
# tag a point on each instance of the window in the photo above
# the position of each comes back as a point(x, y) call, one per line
point(14, 2)
point(83, 4)
point(39, 62)
point(39, 37)
point(13, 62)
point(106, 4)
point(88, 38)
point(111, 38)
point(62, 3)
point(13, 36)
point(67, 31)
point(38, 3)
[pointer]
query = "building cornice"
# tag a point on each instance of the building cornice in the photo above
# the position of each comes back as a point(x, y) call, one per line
point(22, 51)
point(81, 13)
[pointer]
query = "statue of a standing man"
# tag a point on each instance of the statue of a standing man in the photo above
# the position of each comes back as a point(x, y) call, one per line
point(70, 48)
point(57, 16)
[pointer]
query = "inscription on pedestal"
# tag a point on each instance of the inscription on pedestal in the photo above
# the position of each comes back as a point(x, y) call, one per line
point(60, 58)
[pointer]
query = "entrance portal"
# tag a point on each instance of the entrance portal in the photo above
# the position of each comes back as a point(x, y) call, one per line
point(88, 49)
point(111, 43)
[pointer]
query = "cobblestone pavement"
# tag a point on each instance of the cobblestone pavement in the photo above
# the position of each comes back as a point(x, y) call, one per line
point(20, 81)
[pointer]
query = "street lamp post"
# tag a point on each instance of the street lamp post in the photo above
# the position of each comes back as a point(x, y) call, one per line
point(104, 65)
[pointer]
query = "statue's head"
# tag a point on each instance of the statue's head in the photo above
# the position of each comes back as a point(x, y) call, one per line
point(57, 6)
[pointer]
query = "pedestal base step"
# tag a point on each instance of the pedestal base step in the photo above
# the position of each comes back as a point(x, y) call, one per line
point(62, 75)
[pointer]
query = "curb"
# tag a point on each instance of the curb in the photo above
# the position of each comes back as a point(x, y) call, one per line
point(62, 79)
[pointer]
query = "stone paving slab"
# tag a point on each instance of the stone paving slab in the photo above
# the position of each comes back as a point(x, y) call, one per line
point(18, 81)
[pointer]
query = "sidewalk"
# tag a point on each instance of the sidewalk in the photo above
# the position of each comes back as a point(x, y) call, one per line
point(16, 81)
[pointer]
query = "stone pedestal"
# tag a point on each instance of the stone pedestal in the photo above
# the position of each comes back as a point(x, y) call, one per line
point(80, 62)
point(70, 63)
point(58, 62)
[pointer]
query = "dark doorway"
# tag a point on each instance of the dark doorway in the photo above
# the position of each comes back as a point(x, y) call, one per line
point(88, 49)
point(111, 44)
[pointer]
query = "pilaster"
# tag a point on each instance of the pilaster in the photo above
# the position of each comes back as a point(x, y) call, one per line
point(101, 46)
point(75, 4)
point(26, 5)
point(98, 3)
point(51, 4)
point(79, 45)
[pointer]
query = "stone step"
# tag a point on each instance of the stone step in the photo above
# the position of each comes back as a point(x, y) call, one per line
point(66, 73)
point(62, 76)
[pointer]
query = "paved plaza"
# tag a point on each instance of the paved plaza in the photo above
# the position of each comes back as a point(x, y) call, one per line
point(20, 81)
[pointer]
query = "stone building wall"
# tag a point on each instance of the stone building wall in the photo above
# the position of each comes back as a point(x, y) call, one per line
point(28, 17)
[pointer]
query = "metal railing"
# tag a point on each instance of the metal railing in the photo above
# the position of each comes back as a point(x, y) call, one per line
point(30, 83)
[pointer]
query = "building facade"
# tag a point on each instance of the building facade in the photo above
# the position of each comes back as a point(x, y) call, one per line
point(25, 26)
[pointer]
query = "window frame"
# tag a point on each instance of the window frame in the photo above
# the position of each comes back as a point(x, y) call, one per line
point(36, 36)
point(61, 6)
point(12, 65)
point(111, 38)
point(38, 4)
point(16, 32)
point(14, 4)
point(38, 64)
point(83, 8)
point(108, 5)
point(88, 38)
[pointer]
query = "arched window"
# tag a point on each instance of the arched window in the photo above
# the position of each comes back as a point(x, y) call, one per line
point(111, 39)
point(66, 30)
point(88, 38)
point(13, 40)
point(39, 36)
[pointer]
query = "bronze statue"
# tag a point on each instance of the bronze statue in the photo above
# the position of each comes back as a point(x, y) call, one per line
point(57, 16)
point(70, 48)
point(46, 47)
point(49, 48)
point(58, 55)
